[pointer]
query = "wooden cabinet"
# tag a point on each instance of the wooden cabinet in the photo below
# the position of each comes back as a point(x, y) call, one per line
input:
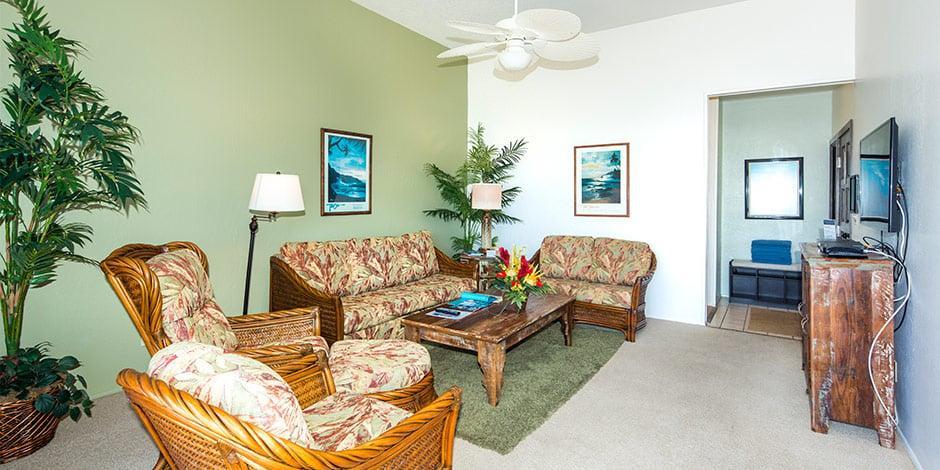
point(846, 302)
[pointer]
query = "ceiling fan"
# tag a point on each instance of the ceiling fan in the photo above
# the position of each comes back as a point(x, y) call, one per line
point(529, 35)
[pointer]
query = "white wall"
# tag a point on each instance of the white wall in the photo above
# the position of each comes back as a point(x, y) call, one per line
point(650, 88)
point(793, 123)
point(898, 58)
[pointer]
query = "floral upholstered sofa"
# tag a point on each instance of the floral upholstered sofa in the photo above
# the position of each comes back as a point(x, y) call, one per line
point(363, 286)
point(606, 276)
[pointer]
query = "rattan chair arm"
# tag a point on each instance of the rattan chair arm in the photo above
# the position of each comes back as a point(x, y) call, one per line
point(452, 267)
point(536, 257)
point(207, 437)
point(258, 329)
point(288, 290)
point(309, 377)
point(276, 355)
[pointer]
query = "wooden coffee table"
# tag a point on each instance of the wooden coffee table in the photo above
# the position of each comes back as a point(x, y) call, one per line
point(490, 333)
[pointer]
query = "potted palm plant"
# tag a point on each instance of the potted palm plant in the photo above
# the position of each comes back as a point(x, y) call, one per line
point(484, 164)
point(62, 150)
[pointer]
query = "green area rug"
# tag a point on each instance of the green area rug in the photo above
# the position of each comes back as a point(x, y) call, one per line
point(540, 375)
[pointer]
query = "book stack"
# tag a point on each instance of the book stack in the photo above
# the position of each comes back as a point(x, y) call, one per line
point(467, 303)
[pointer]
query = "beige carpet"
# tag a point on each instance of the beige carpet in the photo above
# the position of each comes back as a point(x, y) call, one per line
point(683, 396)
point(774, 322)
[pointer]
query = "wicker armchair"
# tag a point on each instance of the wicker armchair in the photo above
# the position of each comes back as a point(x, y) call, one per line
point(192, 434)
point(138, 288)
point(139, 291)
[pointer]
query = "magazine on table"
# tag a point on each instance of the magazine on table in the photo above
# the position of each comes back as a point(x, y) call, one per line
point(472, 301)
point(463, 306)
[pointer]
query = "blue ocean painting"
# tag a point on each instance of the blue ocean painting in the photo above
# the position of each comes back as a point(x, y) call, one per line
point(600, 177)
point(348, 164)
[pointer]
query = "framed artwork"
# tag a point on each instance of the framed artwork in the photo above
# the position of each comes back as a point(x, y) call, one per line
point(773, 188)
point(602, 180)
point(346, 173)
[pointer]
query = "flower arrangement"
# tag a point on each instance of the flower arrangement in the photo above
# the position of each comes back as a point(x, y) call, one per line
point(517, 278)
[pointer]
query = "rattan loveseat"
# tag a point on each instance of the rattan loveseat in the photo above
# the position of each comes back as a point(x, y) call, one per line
point(193, 434)
point(363, 286)
point(607, 277)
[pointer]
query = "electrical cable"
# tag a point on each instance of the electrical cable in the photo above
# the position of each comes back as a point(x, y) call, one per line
point(871, 350)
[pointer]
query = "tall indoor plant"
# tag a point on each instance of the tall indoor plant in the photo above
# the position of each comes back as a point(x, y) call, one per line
point(62, 151)
point(483, 164)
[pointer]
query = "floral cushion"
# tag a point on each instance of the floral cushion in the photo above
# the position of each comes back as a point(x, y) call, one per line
point(355, 266)
point(369, 366)
point(614, 295)
point(619, 261)
point(369, 259)
point(414, 258)
point(345, 420)
point(323, 265)
point(243, 387)
point(391, 329)
point(189, 309)
point(379, 306)
point(566, 257)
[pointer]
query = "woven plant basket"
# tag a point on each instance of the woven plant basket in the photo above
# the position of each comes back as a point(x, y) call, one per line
point(23, 430)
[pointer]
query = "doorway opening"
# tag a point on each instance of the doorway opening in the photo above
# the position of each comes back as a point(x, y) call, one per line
point(799, 122)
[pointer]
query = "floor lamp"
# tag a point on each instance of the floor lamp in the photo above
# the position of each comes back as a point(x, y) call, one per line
point(272, 193)
point(486, 197)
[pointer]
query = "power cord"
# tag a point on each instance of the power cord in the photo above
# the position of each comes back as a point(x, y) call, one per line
point(899, 307)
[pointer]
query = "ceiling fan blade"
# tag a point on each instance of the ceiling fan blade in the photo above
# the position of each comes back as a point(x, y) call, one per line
point(479, 28)
point(548, 24)
point(580, 48)
point(469, 49)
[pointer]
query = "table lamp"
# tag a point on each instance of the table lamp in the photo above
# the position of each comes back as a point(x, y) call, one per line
point(486, 197)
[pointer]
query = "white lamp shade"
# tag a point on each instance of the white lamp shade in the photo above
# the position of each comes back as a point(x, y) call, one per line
point(486, 196)
point(276, 193)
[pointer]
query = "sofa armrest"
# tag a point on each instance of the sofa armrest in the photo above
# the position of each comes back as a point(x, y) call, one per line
point(285, 325)
point(638, 298)
point(288, 291)
point(452, 267)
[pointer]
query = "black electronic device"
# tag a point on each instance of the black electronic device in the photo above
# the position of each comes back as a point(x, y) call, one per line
point(879, 178)
point(842, 249)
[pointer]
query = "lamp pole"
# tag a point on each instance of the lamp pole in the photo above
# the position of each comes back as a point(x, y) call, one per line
point(253, 228)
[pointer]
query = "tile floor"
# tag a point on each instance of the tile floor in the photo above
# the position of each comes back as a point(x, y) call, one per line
point(733, 316)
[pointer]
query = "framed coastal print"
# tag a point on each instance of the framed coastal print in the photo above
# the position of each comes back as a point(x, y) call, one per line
point(602, 180)
point(346, 173)
point(773, 188)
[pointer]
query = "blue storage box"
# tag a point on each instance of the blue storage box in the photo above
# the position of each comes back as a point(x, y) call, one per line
point(771, 251)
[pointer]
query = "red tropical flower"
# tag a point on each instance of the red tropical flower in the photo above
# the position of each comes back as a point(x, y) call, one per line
point(504, 256)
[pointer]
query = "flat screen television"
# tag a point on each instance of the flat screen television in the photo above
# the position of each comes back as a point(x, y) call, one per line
point(879, 178)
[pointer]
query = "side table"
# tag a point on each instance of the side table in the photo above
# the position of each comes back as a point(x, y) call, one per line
point(487, 266)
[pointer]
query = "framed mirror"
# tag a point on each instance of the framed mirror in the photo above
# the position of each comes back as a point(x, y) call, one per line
point(773, 188)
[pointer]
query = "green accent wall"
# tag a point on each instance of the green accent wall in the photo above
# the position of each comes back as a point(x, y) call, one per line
point(222, 90)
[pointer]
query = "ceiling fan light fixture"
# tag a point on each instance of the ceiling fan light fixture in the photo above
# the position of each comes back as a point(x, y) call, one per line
point(514, 57)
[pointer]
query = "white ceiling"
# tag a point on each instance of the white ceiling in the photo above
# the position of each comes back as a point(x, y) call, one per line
point(429, 17)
